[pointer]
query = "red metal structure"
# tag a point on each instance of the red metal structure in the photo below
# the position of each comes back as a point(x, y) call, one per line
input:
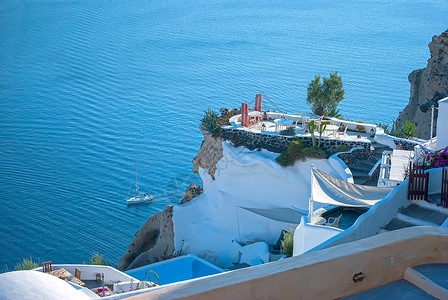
point(244, 115)
point(444, 190)
point(258, 102)
point(418, 183)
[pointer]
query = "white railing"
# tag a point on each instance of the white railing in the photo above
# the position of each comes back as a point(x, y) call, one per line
point(91, 272)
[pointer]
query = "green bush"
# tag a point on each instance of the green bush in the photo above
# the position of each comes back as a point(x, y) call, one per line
point(407, 130)
point(287, 244)
point(211, 122)
point(288, 131)
point(284, 159)
point(295, 152)
point(294, 149)
point(98, 259)
point(311, 152)
point(342, 148)
point(26, 264)
point(335, 113)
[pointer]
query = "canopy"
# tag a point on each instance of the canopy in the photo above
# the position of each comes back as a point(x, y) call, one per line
point(286, 215)
point(328, 189)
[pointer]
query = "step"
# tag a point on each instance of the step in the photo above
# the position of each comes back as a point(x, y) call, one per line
point(424, 213)
point(360, 180)
point(357, 173)
point(415, 221)
point(369, 163)
point(396, 224)
point(429, 278)
point(371, 182)
point(360, 167)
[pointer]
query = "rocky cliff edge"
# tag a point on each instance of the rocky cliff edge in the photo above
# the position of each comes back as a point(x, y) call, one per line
point(428, 85)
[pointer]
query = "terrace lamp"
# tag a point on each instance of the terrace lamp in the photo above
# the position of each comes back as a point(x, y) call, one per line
point(372, 132)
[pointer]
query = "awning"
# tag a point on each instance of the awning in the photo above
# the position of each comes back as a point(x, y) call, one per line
point(328, 189)
point(286, 215)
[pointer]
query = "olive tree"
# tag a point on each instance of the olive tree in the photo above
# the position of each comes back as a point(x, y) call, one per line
point(324, 96)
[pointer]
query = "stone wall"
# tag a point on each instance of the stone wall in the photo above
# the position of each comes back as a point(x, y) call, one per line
point(354, 156)
point(406, 145)
point(278, 143)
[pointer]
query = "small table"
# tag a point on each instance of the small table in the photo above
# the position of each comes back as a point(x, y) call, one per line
point(280, 123)
point(331, 129)
point(255, 115)
point(67, 276)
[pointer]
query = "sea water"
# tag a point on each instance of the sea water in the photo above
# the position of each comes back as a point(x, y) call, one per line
point(88, 87)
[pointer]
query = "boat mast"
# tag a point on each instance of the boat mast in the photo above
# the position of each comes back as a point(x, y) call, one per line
point(136, 186)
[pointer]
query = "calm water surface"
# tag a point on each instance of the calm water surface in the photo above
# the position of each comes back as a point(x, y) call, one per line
point(88, 87)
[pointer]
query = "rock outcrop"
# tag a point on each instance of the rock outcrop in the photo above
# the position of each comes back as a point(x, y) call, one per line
point(209, 154)
point(428, 85)
point(152, 242)
point(192, 191)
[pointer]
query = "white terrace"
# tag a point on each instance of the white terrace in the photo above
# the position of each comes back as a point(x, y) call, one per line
point(273, 123)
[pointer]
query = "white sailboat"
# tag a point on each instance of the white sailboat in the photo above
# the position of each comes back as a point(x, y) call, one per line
point(138, 198)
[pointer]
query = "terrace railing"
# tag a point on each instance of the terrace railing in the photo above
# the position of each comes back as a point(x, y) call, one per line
point(418, 183)
point(444, 190)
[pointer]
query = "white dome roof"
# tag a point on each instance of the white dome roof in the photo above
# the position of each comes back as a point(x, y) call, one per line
point(36, 285)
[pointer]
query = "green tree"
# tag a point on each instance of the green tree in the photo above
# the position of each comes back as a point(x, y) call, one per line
point(324, 96)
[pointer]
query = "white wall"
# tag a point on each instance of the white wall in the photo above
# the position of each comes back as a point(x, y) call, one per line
point(308, 236)
point(381, 213)
point(244, 178)
point(442, 124)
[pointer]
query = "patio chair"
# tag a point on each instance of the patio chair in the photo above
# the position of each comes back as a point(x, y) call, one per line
point(78, 273)
point(46, 267)
point(333, 222)
point(305, 121)
point(343, 133)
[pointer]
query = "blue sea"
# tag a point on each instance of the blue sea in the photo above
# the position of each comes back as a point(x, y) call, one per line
point(87, 87)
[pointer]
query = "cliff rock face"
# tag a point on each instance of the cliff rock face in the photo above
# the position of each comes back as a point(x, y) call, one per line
point(209, 154)
point(427, 85)
point(192, 191)
point(154, 240)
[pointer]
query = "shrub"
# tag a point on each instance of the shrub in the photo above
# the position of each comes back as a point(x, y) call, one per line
point(311, 152)
point(326, 122)
point(359, 128)
point(295, 152)
point(98, 259)
point(293, 149)
point(288, 131)
point(335, 113)
point(407, 130)
point(438, 159)
point(342, 148)
point(283, 159)
point(211, 122)
point(26, 264)
point(287, 244)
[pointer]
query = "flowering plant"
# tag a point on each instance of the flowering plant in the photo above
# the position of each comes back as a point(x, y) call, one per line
point(102, 292)
point(437, 159)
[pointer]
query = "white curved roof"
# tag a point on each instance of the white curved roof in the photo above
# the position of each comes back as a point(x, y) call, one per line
point(36, 285)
